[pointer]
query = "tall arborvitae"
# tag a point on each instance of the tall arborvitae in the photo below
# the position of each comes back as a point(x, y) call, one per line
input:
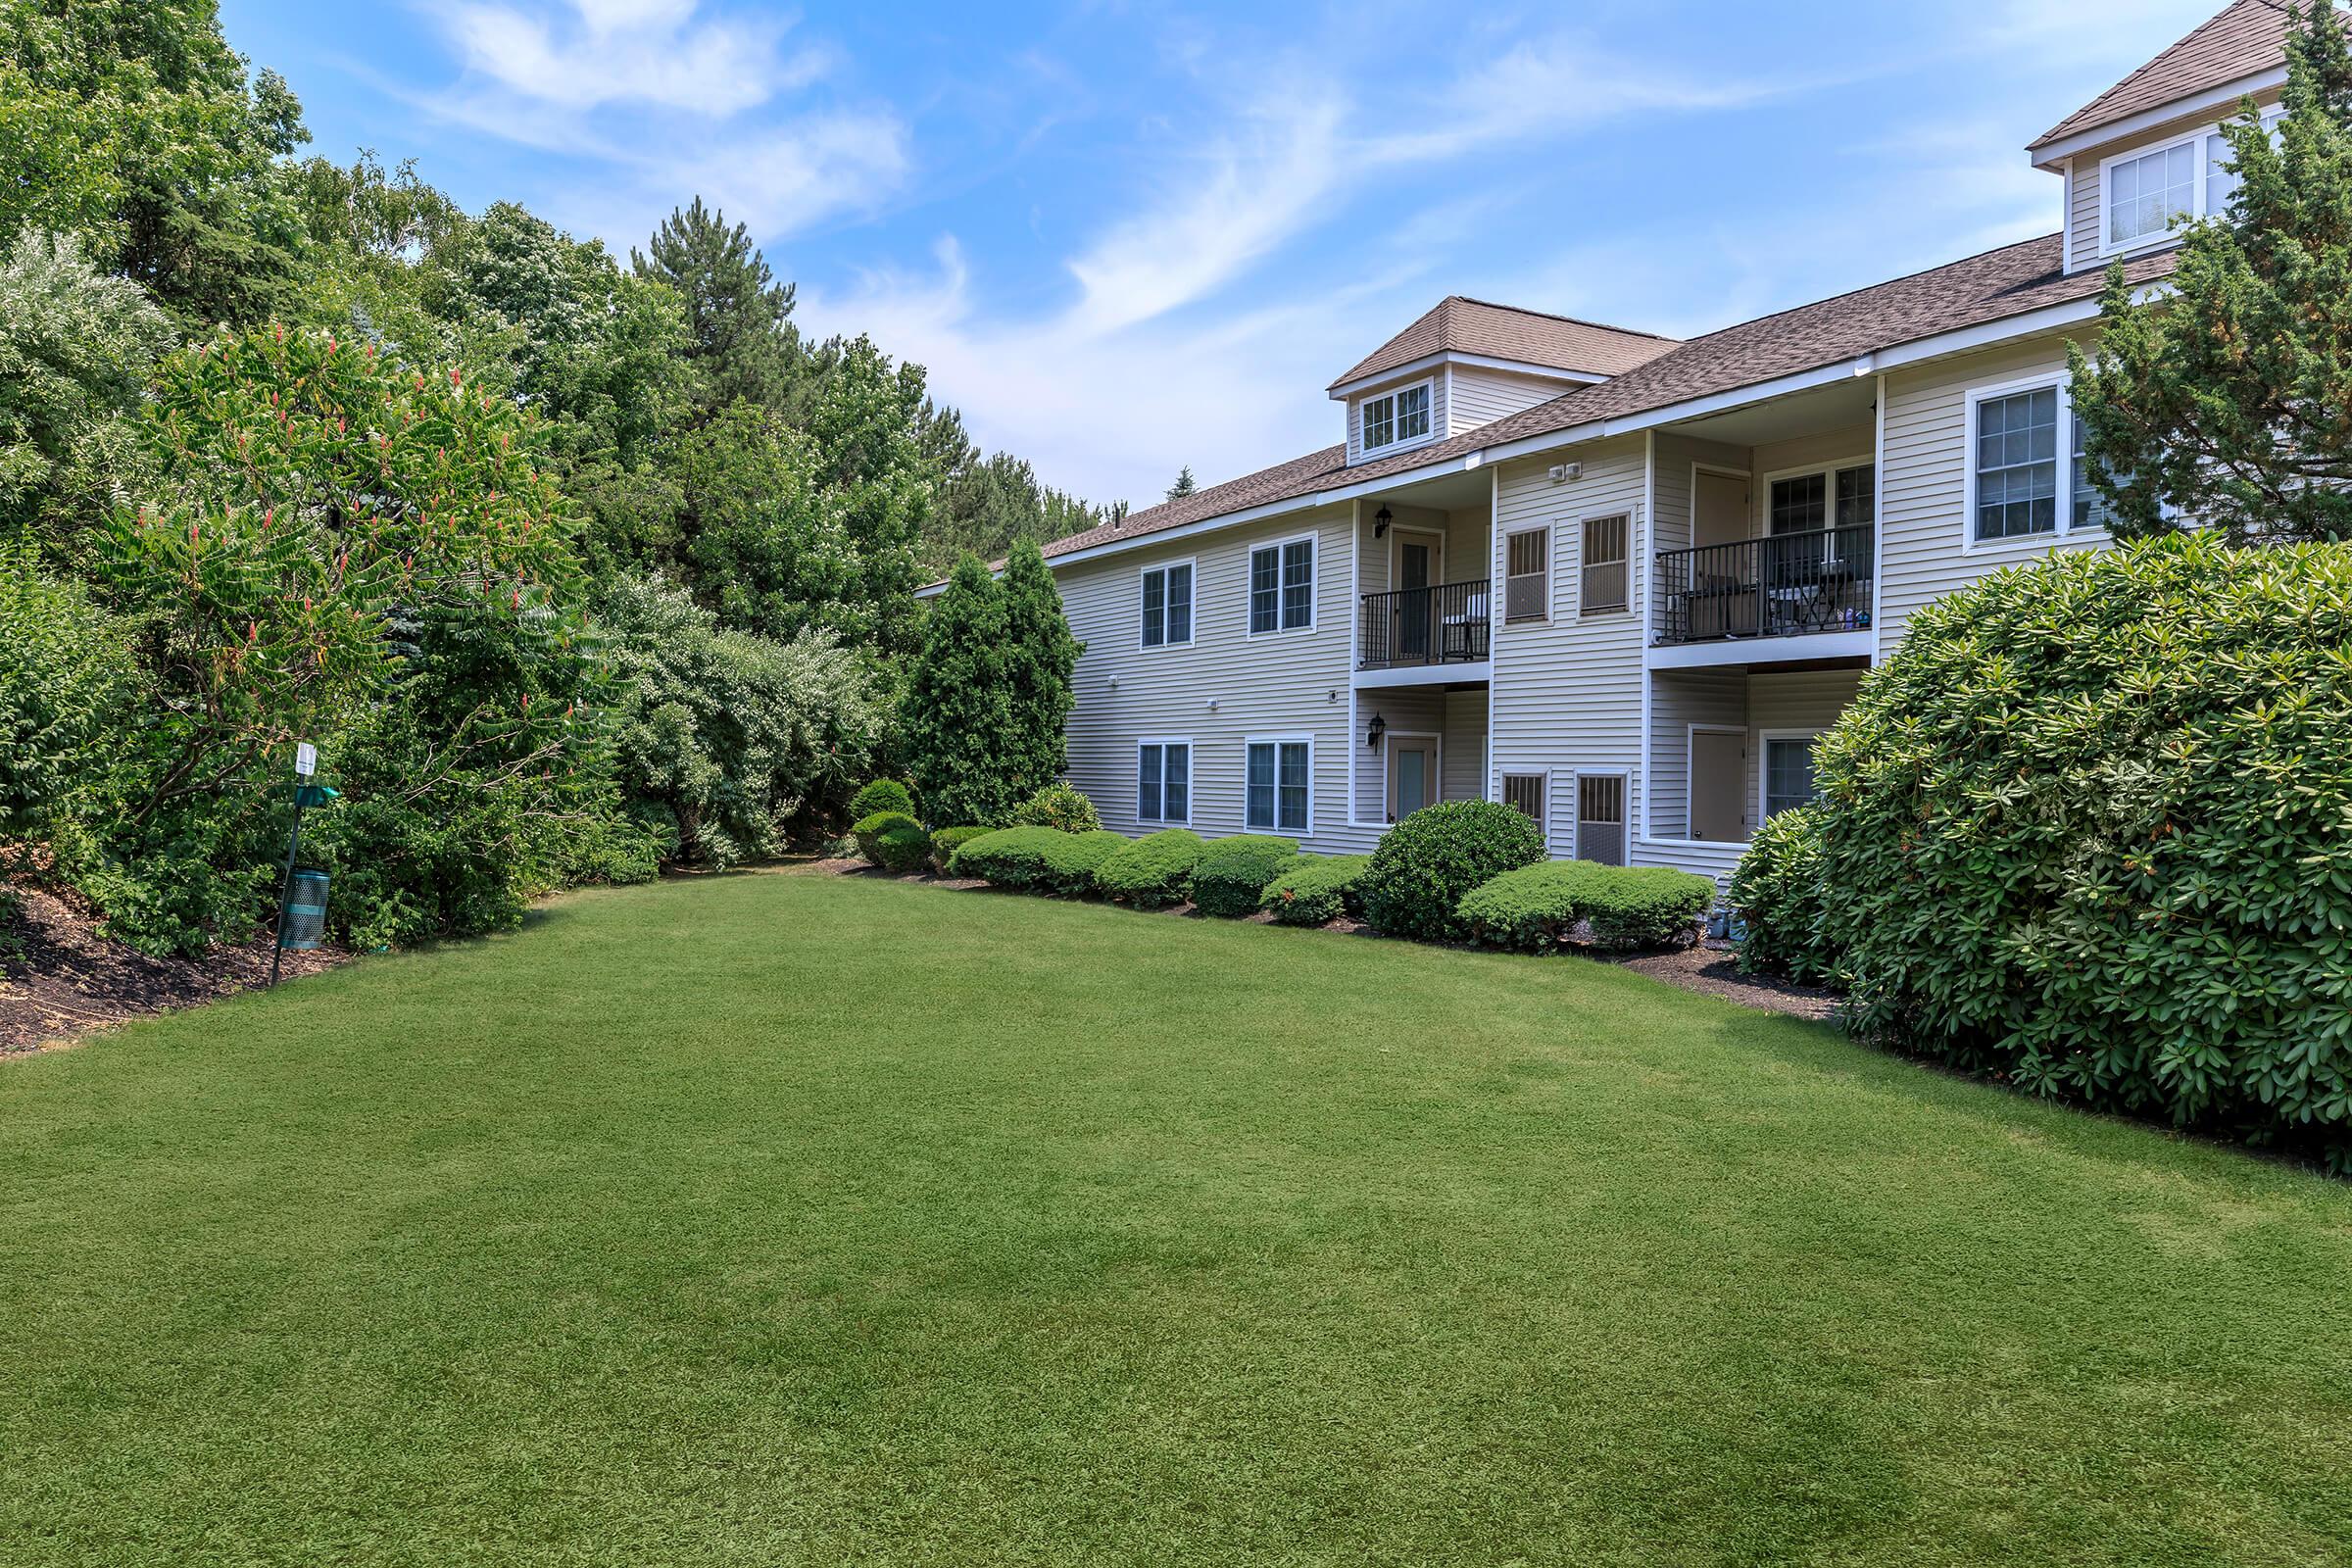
point(1041, 656)
point(744, 341)
point(2220, 400)
point(957, 712)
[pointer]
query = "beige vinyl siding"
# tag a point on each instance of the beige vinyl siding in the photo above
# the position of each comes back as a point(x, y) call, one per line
point(1279, 684)
point(1438, 414)
point(1677, 456)
point(1407, 710)
point(2087, 219)
point(1924, 551)
point(1465, 769)
point(1678, 699)
point(1463, 559)
point(1809, 699)
point(1717, 861)
point(1567, 693)
point(1482, 396)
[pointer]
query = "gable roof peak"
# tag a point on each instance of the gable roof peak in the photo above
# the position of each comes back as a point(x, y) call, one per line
point(1462, 324)
point(2242, 39)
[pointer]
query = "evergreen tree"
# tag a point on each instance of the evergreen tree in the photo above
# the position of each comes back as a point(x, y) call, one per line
point(2224, 399)
point(1185, 484)
point(744, 341)
point(957, 711)
point(1041, 656)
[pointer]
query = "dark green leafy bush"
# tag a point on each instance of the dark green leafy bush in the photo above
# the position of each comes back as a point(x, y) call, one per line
point(1777, 891)
point(869, 830)
point(2090, 828)
point(903, 848)
point(1232, 874)
point(1536, 908)
point(1647, 907)
point(1071, 860)
point(948, 840)
point(1317, 889)
point(1426, 864)
point(882, 795)
point(1012, 858)
point(1153, 872)
point(1057, 805)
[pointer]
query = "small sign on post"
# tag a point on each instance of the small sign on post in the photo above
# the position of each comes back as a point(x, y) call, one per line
point(306, 758)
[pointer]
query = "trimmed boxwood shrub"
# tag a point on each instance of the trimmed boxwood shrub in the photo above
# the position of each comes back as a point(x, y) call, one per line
point(1317, 889)
point(2090, 828)
point(1057, 805)
point(1424, 865)
point(1776, 892)
point(1071, 860)
point(903, 848)
point(869, 830)
point(1531, 910)
point(882, 795)
point(948, 840)
point(1232, 874)
point(1011, 858)
point(1647, 907)
point(1153, 872)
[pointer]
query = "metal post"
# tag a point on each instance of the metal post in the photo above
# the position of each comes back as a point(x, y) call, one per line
point(285, 890)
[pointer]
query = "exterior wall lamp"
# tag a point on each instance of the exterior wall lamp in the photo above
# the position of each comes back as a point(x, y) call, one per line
point(1380, 523)
point(1380, 727)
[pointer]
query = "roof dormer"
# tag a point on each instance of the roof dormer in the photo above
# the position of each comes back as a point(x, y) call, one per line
point(1466, 362)
point(2148, 150)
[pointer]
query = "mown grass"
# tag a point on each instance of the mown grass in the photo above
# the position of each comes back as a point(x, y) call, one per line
point(786, 1219)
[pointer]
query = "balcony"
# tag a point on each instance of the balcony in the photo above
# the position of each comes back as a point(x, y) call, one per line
point(1418, 628)
point(1788, 585)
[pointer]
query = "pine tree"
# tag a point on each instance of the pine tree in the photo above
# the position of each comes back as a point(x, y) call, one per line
point(957, 712)
point(1041, 656)
point(1185, 484)
point(744, 341)
point(2224, 397)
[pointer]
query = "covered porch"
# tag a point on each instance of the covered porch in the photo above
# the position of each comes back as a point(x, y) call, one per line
point(1731, 745)
point(1423, 579)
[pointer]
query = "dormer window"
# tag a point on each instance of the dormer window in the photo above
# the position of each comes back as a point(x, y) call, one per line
point(1396, 418)
point(2147, 192)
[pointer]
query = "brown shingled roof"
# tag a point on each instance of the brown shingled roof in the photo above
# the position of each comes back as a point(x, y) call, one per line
point(1458, 325)
point(2249, 36)
point(1998, 285)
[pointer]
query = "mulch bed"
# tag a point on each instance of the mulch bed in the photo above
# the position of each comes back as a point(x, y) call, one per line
point(60, 979)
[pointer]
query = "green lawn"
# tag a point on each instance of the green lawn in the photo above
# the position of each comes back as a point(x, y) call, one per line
point(786, 1219)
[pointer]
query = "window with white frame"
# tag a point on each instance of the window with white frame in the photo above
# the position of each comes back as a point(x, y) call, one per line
point(1396, 418)
point(1168, 604)
point(2020, 487)
point(1282, 587)
point(1601, 582)
point(1163, 781)
point(1525, 792)
point(2146, 192)
point(1788, 772)
point(1839, 497)
point(1600, 818)
point(1278, 787)
point(1527, 575)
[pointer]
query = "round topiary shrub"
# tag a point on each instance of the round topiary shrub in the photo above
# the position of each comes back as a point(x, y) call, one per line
point(948, 840)
point(904, 848)
point(869, 830)
point(1153, 872)
point(1070, 862)
point(1232, 874)
point(2090, 827)
point(882, 795)
point(1057, 805)
point(1424, 864)
point(1776, 892)
point(1317, 889)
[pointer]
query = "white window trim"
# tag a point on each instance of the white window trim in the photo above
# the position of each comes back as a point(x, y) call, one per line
point(1364, 404)
point(1691, 733)
point(1576, 803)
point(1550, 571)
point(1191, 753)
point(1315, 587)
point(2202, 164)
point(1764, 740)
point(1388, 769)
point(1542, 820)
point(1632, 603)
point(1278, 741)
point(2026, 544)
point(1143, 646)
point(1761, 521)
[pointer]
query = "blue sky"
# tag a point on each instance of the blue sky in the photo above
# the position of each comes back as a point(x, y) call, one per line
point(1128, 236)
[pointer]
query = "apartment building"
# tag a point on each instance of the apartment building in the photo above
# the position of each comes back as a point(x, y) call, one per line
point(1618, 580)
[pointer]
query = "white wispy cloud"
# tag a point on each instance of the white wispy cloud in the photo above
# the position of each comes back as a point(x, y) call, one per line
point(590, 53)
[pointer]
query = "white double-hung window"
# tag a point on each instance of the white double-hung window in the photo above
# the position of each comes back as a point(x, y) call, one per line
point(1277, 794)
point(1168, 604)
point(1282, 586)
point(1394, 418)
point(2144, 192)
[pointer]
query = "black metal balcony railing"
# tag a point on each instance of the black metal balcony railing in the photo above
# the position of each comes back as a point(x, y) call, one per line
point(1787, 585)
point(1443, 624)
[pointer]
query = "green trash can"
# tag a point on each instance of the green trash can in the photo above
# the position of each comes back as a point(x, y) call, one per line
point(302, 924)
